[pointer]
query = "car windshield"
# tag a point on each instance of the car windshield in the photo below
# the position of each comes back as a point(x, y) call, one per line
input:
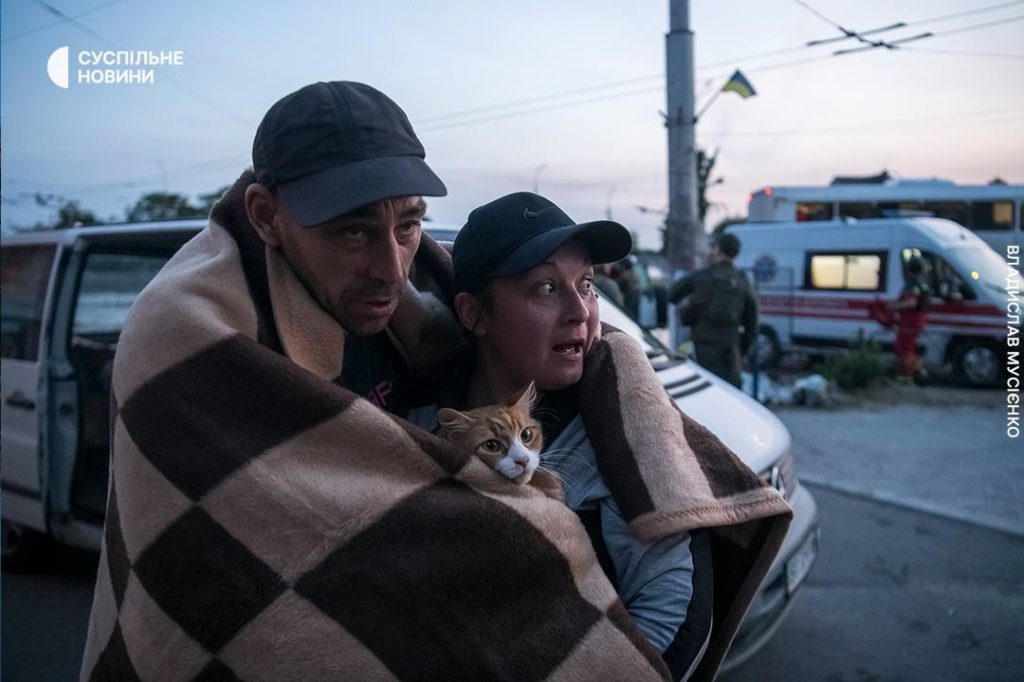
point(982, 264)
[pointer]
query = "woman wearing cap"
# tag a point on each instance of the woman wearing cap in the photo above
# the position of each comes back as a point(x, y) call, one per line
point(524, 275)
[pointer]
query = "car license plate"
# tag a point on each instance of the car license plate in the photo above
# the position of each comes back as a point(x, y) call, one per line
point(799, 566)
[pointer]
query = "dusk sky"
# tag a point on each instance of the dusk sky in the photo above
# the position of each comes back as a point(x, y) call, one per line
point(566, 94)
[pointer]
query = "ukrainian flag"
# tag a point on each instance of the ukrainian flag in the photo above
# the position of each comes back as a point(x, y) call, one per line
point(739, 84)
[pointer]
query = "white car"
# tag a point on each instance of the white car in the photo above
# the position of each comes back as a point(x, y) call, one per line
point(66, 295)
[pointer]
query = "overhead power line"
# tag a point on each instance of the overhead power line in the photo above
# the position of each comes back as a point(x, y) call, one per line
point(561, 105)
point(37, 29)
point(109, 43)
point(523, 107)
point(851, 34)
point(976, 27)
point(964, 117)
point(539, 98)
point(870, 44)
point(998, 55)
point(896, 44)
point(957, 15)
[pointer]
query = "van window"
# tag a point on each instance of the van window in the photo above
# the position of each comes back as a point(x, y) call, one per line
point(943, 279)
point(846, 271)
point(110, 282)
point(24, 276)
point(992, 215)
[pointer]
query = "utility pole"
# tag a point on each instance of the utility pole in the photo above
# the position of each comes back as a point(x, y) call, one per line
point(682, 228)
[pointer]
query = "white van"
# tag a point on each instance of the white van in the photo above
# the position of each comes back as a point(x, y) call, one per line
point(819, 281)
point(66, 294)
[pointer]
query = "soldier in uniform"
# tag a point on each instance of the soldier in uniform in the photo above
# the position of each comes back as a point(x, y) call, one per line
point(722, 310)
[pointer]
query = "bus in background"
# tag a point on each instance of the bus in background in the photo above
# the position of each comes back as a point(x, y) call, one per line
point(993, 211)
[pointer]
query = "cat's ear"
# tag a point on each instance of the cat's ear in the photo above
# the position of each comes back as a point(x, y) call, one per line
point(452, 419)
point(525, 398)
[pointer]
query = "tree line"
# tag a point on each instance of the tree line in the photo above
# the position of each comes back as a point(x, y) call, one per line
point(152, 206)
point(156, 206)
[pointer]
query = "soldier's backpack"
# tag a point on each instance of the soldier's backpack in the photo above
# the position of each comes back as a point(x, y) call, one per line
point(725, 297)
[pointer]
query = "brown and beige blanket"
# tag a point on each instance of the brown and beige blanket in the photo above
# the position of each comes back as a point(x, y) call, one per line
point(264, 523)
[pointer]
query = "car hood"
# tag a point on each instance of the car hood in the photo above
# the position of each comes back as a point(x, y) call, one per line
point(749, 429)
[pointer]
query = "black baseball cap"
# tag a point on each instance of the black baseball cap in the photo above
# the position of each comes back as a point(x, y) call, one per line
point(332, 147)
point(519, 231)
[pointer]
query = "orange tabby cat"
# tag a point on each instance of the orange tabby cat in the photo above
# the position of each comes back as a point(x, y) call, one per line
point(504, 436)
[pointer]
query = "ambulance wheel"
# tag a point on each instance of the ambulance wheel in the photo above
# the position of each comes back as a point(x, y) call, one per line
point(977, 363)
point(766, 350)
point(23, 550)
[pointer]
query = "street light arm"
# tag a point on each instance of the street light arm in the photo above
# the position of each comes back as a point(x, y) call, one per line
point(706, 106)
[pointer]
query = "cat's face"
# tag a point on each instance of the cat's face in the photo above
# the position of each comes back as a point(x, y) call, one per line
point(504, 436)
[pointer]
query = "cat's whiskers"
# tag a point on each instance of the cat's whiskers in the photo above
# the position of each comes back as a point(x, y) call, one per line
point(566, 454)
point(567, 480)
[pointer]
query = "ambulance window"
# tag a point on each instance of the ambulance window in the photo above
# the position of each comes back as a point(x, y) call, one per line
point(25, 275)
point(827, 272)
point(943, 279)
point(992, 215)
point(846, 271)
point(808, 211)
point(863, 272)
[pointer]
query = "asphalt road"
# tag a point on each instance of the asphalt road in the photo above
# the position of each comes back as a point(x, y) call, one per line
point(44, 620)
point(896, 595)
point(899, 596)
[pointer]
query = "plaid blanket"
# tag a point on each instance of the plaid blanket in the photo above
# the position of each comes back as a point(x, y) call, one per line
point(669, 474)
point(265, 523)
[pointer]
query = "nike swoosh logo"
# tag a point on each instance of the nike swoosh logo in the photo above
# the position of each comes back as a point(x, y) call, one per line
point(530, 215)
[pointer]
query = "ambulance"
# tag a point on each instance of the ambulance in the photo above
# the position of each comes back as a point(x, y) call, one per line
point(820, 285)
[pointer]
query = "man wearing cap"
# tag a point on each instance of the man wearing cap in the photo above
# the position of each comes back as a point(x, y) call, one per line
point(722, 311)
point(263, 521)
point(340, 178)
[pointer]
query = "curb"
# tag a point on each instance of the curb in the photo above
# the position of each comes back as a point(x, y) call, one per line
point(990, 522)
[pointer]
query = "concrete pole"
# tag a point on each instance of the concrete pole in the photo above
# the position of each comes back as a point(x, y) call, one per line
point(683, 231)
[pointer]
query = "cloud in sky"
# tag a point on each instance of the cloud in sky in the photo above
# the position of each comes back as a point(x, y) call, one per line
point(601, 146)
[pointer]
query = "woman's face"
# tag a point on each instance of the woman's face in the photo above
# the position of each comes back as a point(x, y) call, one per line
point(539, 324)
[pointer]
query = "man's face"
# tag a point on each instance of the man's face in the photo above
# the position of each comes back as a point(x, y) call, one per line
point(715, 255)
point(356, 265)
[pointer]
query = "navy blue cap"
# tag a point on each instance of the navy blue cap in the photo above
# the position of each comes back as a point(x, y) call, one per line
point(329, 148)
point(519, 231)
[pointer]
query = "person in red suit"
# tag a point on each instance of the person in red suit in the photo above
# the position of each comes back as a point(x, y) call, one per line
point(909, 316)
